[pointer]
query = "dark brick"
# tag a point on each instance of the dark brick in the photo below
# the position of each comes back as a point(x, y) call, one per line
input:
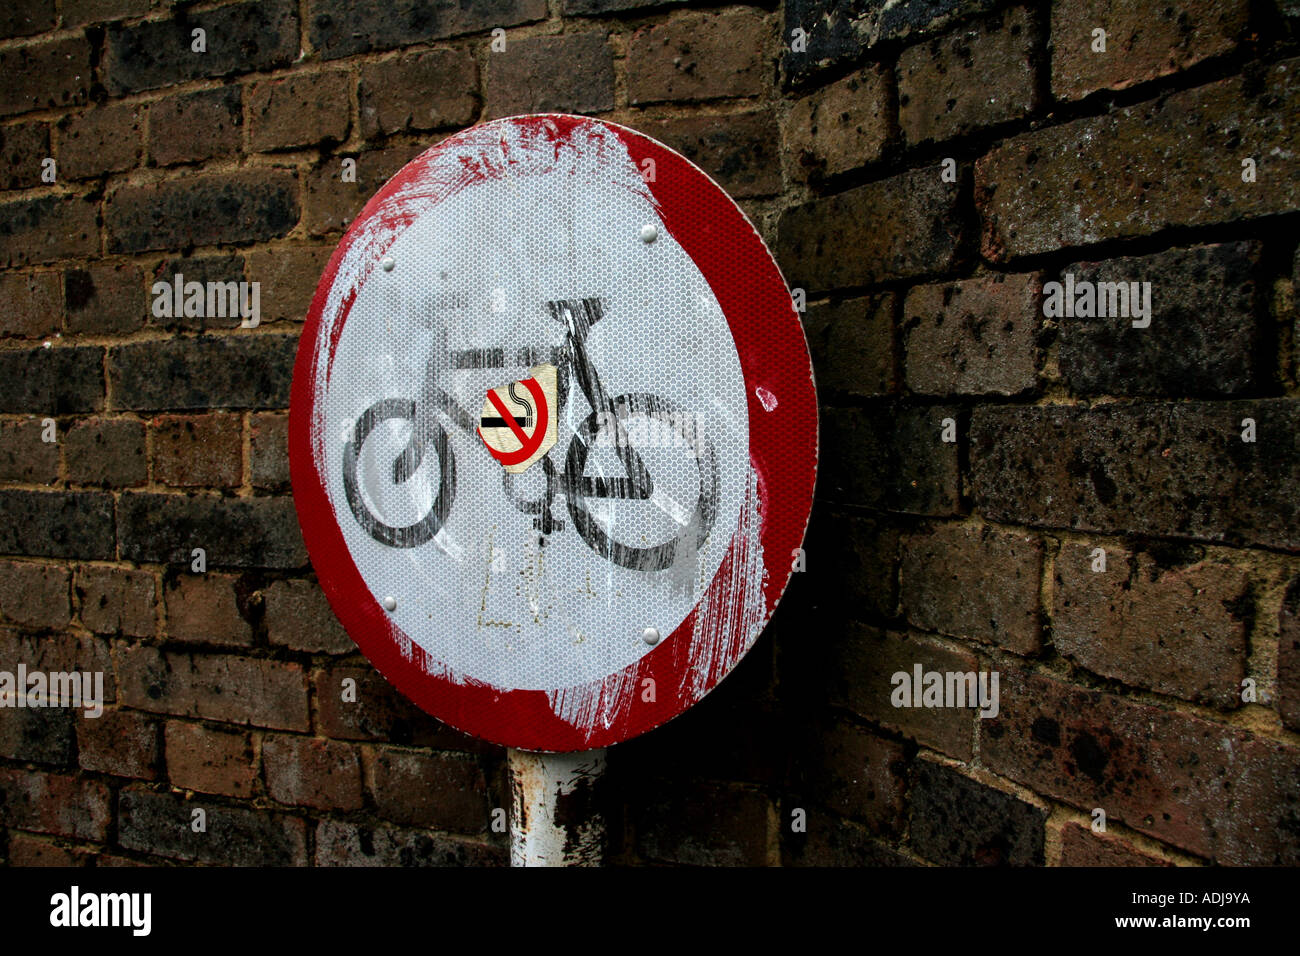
point(26, 17)
point(1203, 338)
point(1081, 847)
point(432, 89)
point(241, 206)
point(957, 821)
point(235, 532)
point(739, 150)
point(302, 109)
point(32, 304)
point(106, 453)
point(64, 651)
point(299, 617)
point(595, 8)
point(571, 73)
point(352, 844)
point(1288, 657)
point(1159, 468)
point(198, 451)
point(379, 712)
point(103, 140)
point(1213, 790)
point(839, 127)
point(206, 609)
point(974, 337)
point(968, 79)
point(706, 825)
point(37, 735)
point(105, 299)
point(119, 742)
point(698, 56)
point(200, 269)
point(890, 457)
point(204, 372)
point(228, 688)
point(57, 524)
point(60, 381)
point(52, 803)
point(897, 228)
point(442, 791)
point(79, 12)
point(34, 595)
point(241, 38)
point(329, 203)
point(1174, 626)
point(23, 148)
point(339, 28)
point(25, 456)
point(46, 229)
point(161, 824)
point(49, 74)
point(268, 451)
point(856, 774)
point(27, 850)
point(831, 841)
point(116, 601)
point(311, 772)
point(853, 564)
point(974, 583)
point(852, 345)
point(210, 760)
point(288, 278)
point(1071, 185)
point(192, 127)
point(1142, 42)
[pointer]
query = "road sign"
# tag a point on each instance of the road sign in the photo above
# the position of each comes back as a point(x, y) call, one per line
point(562, 277)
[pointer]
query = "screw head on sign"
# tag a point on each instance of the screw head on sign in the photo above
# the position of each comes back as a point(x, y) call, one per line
point(649, 232)
point(650, 635)
point(387, 263)
point(390, 603)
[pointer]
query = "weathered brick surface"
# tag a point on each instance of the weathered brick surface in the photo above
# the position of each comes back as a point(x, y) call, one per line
point(900, 227)
point(957, 821)
point(443, 791)
point(1173, 623)
point(69, 806)
point(1081, 847)
point(739, 150)
point(976, 77)
point(234, 532)
point(833, 841)
point(80, 12)
point(376, 711)
point(312, 772)
point(207, 372)
point(25, 456)
point(203, 269)
point(706, 826)
point(573, 73)
point(1137, 468)
point(890, 457)
point(288, 280)
point(1288, 657)
point(253, 35)
point(978, 336)
point(858, 775)
point(839, 127)
point(104, 299)
point(298, 616)
point(209, 760)
point(47, 228)
point(352, 844)
point(196, 451)
point(329, 203)
point(65, 651)
point(1142, 43)
point(241, 206)
point(22, 19)
point(207, 609)
point(580, 8)
point(853, 563)
point(339, 28)
point(1203, 338)
point(298, 110)
point(37, 735)
point(119, 742)
point(57, 524)
point(974, 583)
point(32, 304)
point(45, 75)
point(699, 56)
point(161, 824)
point(52, 381)
point(116, 601)
point(34, 595)
point(1215, 791)
point(103, 140)
point(432, 89)
point(27, 850)
point(192, 127)
point(852, 345)
point(268, 451)
point(23, 149)
point(1144, 168)
point(106, 452)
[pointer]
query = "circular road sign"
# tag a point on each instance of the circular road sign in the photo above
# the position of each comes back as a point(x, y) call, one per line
point(553, 432)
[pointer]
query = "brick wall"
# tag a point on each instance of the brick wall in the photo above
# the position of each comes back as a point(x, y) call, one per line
point(921, 170)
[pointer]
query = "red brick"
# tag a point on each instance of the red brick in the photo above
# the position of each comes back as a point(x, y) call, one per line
point(1081, 847)
point(221, 268)
point(116, 601)
point(106, 453)
point(288, 277)
point(1177, 625)
point(299, 617)
point(298, 110)
point(974, 337)
point(432, 89)
point(47, 229)
point(59, 652)
point(353, 844)
point(27, 851)
point(1288, 657)
point(105, 299)
point(33, 305)
point(852, 345)
point(53, 803)
point(699, 56)
point(1142, 42)
point(571, 73)
point(210, 760)
point(207, 609)
point(268, 451)
point(237, 690)
point(193, 127)
point(445, 791)
point(839, 127)
point(311, 772)
point(1215, 791)
point(34, 595)
point(119, 742)
point(191, 451)
point(103, 140)
point(24, 454)
point(739, 150)
point(49, 74)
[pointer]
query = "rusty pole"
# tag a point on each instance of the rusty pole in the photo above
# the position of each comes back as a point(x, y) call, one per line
point(556, 816)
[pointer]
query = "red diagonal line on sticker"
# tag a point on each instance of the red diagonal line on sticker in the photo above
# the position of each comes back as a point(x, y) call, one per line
point(529, 445)
point(500, 406)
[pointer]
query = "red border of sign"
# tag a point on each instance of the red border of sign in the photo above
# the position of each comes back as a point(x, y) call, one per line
point(783, 451)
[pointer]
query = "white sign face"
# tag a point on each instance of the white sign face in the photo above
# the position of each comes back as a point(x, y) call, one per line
point(566, 573)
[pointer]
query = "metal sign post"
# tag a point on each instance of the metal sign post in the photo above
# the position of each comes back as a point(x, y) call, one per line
point(553, 440)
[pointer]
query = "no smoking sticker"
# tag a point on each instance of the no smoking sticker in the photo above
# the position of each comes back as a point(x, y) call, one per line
point(518, 421)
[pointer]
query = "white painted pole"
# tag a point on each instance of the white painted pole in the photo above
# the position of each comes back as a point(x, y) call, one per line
point(556, 817)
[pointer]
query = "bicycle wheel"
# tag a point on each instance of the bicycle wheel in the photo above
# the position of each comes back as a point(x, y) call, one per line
point(431, 433)
point(578, 488)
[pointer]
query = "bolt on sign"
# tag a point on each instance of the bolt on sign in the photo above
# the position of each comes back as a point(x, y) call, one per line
point(553, 433)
